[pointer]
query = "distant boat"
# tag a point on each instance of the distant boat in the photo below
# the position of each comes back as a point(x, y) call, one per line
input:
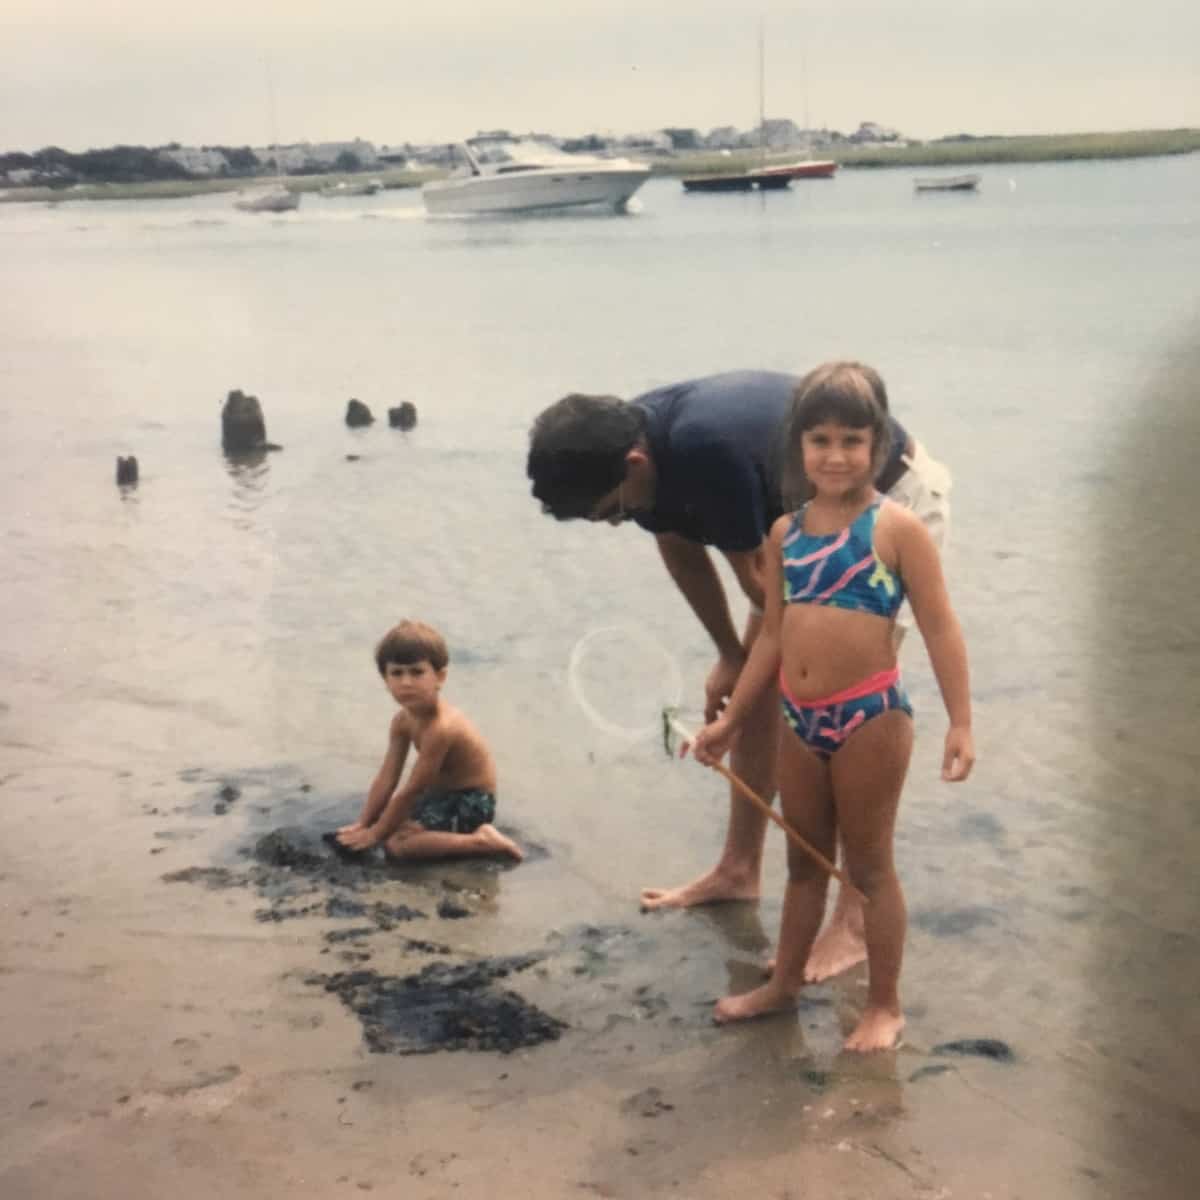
point(513, 175)
point(356, 187)
point(762, 178)
point(272, 197)
point(737, 181)
point(808, 168)
point(946, 183)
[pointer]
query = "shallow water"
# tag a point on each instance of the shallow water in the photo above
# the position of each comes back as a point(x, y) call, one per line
point(216, 623)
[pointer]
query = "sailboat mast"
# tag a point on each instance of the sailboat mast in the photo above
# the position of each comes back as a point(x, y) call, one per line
point(762, 94)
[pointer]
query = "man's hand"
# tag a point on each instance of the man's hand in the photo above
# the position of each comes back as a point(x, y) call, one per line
point(719, 685)
point(358, 838)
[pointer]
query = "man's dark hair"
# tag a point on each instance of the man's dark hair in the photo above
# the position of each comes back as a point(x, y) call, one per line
point(577, 451)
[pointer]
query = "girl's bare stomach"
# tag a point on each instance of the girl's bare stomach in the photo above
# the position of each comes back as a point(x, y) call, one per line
point(826, 650)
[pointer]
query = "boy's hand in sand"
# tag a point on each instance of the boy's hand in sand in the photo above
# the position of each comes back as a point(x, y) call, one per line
point(712, 742)
point(356, 837)
point(959, 755)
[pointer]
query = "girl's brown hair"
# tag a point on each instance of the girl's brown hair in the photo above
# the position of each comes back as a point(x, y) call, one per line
point(845, 393)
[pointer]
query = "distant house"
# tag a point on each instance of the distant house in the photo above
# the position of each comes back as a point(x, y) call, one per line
point(321, 156)
point(656, 141)
point(781, 133)
point(196, 161)
point(869, 131)
point(724, 137)
point(395, 156)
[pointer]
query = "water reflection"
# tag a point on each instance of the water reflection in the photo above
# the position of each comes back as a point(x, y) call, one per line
point(250, 471)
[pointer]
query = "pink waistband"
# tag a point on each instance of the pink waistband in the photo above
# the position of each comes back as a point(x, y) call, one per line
point(880, 681)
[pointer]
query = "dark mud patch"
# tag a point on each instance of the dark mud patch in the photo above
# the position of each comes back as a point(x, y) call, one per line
point(992, 1048)
point(209, 877)
point(928, 1072)
point(957, 922)
point(444, 1007)
point(646, 1103)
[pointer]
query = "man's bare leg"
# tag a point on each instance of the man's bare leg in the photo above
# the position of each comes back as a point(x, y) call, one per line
point(738, 872)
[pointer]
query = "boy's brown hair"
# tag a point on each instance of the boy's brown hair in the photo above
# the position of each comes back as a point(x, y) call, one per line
point(412, 642)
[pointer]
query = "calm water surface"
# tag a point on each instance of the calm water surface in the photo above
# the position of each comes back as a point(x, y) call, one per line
point(219, 618)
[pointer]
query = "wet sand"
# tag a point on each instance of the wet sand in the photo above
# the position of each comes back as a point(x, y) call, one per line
point(167, 1032)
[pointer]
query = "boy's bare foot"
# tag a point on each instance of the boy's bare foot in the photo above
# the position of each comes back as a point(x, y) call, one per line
point(877, 1029)
point(770, 998)
point(500, 843)
point(713, 888)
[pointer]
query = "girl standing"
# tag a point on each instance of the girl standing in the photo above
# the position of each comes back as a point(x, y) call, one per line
point(838, 569)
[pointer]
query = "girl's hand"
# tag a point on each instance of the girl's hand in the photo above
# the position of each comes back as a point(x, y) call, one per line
point(959, 756)
point(712, 742)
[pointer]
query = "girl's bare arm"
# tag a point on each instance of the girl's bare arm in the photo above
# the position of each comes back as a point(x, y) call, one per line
point(921, 569)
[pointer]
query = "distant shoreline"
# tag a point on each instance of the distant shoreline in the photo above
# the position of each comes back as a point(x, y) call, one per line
point(973, 151)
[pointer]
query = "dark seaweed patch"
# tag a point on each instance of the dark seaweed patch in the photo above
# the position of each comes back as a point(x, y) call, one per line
point(444, 1007)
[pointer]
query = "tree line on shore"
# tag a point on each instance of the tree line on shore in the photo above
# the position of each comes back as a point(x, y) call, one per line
point(55, 167)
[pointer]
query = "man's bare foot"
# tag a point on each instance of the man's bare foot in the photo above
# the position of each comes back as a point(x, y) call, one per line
point(770, 998)
point(500, 843)
point(713, 888)
point(877, 1029)
point(837, 949)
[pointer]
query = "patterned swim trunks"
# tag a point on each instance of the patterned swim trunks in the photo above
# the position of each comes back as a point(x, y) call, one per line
point(455, 811)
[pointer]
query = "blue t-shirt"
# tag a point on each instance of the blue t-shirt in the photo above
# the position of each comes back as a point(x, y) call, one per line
point(715, 445)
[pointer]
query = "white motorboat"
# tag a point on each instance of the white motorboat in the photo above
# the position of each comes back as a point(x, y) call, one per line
point(512, 175)
point(272, 197)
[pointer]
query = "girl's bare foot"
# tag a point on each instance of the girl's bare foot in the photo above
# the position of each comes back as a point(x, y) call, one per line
point(498, 842)
point(877, 1029)
point(712, 888)
point(769, 998)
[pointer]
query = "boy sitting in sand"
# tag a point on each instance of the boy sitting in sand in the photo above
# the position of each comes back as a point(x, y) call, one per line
point(446, 807)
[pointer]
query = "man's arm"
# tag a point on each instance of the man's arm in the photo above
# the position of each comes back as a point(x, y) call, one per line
point(750, 568)
point(695, 575)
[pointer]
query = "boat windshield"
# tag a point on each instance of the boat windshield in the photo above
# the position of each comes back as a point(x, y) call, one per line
point(517, 152)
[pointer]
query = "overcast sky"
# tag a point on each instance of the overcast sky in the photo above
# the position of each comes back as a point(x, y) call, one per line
point(90, 73)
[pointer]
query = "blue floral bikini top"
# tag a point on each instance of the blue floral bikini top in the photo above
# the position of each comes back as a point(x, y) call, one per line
point(840, 569)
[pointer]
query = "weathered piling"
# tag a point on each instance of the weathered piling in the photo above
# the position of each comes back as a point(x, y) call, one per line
point(403, 416)
point(127, 471)
point(242, 425)
point(358, 414)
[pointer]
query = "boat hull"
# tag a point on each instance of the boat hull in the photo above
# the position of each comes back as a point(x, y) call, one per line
point(813, 168)
point(746, 181)
point(268, 200)
point(535, 191)
point(947, 183)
